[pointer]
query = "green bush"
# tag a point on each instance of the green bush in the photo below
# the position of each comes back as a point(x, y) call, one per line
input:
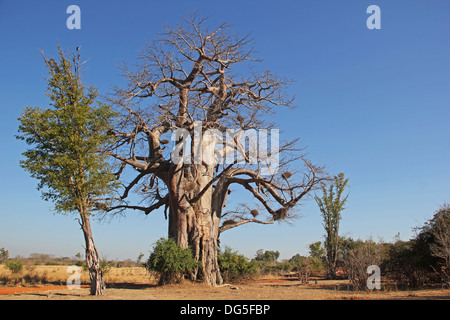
point(267, 256)
point(234, 266)
point(409, 263)
point(15, 265)
point(81, 264)
point(171, 261)
point(105, 266)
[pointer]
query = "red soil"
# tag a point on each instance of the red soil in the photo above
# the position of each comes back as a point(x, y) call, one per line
point(14, 290)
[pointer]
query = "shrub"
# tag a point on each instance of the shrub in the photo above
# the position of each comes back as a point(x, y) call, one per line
point(234, 266)
point(302, 265)
point(409, 263)
point(436, 234)
point(424, 259)
point(358, 259)
point(105, 266)
point(15, 265)
point(171, 261)
point(317, 256)
point(81, 264)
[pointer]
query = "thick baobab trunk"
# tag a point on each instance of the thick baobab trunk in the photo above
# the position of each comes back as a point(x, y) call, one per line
point(195, 224)
point(197, 231)
point(98, 286)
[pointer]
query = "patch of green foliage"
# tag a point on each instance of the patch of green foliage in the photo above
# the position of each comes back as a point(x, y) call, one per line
point(14, 265)
point(234, 266)
point(171, 261)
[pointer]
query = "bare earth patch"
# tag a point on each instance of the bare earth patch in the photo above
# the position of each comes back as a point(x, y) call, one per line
point(270, 289)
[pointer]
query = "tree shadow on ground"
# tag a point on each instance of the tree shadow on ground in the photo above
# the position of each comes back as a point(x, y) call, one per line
point(130, 285)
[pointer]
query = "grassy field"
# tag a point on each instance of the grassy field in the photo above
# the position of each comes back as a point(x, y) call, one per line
point(34, 275)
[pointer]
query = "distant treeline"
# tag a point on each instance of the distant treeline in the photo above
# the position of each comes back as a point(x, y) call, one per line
point(35, 259)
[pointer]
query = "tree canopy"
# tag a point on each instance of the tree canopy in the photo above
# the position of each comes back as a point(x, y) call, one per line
point(66, 140)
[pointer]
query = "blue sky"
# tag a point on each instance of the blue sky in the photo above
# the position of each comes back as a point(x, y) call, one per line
point(373, 104)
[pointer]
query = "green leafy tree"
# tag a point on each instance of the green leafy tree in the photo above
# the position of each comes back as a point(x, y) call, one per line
point(317, 256)
point(316, 250)
point(267, 256)
point(15, 265)
point(433, 239)
point(171, 261)
point(331, 205)
point(66, 140)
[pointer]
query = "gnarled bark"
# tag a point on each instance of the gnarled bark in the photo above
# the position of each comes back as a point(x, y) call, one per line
point(98, 286)
point(195, 224)
point(187, 77)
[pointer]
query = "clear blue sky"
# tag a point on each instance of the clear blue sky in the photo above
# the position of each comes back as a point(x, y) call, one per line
point(373, 104)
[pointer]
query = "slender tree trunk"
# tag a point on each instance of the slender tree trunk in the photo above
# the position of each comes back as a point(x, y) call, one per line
point(98, 286)
point(331, 265)
point(332, 247)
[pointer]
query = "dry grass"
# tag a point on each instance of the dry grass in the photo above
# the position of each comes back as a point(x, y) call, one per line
point(34, 275)
point(129, 275)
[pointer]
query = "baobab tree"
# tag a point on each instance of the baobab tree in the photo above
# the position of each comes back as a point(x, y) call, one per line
point(185, 90)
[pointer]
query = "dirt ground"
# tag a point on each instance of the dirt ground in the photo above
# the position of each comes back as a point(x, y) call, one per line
point(264, 289)
point(134, 283)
